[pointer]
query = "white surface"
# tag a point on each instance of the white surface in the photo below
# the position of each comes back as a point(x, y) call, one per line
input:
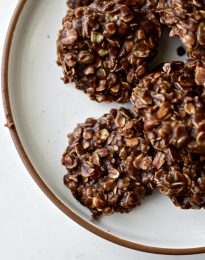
point(31, 227)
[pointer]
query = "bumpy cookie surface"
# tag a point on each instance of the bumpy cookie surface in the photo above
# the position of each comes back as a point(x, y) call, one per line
point(109, 163)
point(104, 47)
point(187, 20)
point(171, 102)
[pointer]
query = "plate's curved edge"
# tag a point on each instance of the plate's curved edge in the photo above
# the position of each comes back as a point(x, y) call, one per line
point(36, 177)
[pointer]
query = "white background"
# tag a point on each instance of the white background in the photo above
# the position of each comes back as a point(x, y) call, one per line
point(31, 227)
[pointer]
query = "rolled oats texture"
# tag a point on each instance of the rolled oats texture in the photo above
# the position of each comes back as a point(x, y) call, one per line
point(104, 48)
point(187, 20)
point(172, 105)
point(109, 163)
point(182, 178)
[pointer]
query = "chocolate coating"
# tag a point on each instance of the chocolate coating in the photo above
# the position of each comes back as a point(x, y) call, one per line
point(109, 163)
point(187, 20)
point(172, 105)
point(182, 178)
point(104, 48)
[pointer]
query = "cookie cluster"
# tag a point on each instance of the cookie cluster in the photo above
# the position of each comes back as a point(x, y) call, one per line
point(115, 161)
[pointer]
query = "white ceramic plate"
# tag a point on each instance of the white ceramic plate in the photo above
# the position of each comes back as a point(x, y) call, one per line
point(44, 110)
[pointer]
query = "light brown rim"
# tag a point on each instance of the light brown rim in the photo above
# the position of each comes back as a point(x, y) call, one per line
point(39, 181)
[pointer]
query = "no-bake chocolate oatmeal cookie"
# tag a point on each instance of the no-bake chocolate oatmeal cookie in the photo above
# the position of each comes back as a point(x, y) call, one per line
point(182, 178)
point(171, 102)
point(104, 47)
point(187, 20)
point(109, 163)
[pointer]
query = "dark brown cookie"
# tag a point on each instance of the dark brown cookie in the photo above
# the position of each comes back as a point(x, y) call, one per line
point(187, 20)
point(104, 48)
point(172, 105)
point(109, 163)
point(182, 178)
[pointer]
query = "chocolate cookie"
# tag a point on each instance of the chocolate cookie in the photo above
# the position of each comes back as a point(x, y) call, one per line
point(182, 178)
point(172, 105)
point(104, 47)
point(187, 20)
point(109, 163)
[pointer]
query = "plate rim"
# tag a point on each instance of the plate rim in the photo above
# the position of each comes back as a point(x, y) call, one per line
point(34, 174)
